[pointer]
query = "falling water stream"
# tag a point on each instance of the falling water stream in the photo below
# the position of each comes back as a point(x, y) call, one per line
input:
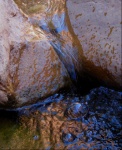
point(65, 120)
point(51, 17)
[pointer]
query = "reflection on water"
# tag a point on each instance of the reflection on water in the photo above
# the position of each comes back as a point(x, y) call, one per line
point(41, 7)
point(47, 125)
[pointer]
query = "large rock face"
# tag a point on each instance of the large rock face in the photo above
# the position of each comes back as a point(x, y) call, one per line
point(97, 24)
point(29, 67)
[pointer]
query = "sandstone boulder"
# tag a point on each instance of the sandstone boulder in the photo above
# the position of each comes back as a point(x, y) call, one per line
point(29, 67)
point(97, 25)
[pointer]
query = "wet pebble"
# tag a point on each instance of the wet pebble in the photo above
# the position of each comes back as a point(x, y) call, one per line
point(76, 110)
point(35, 137)
point(68, 138)
point(87, 98)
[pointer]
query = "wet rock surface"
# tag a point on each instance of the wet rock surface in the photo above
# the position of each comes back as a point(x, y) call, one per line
point(44, 33)
point(97, 25)
point(38, 77)
point(29, 67)
point(46, 126)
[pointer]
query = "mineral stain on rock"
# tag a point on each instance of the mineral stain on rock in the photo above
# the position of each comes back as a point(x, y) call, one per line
point(111, 30)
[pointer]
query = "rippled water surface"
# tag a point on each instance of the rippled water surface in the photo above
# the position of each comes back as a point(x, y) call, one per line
point(70, 122)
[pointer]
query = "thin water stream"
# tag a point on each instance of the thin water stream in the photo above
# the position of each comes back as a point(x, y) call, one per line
point(51, 17)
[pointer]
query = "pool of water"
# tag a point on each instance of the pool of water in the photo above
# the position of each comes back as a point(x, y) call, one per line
point(65, 121)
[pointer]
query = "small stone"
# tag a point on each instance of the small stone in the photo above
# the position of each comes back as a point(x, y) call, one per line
point(77, 110)
point(35, 137)
point(68, 137)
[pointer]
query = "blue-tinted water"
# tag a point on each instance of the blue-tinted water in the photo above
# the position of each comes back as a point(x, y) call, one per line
point(66, 121)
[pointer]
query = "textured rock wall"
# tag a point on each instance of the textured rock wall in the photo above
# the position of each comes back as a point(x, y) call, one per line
point(29, 67)
point(97, 25)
